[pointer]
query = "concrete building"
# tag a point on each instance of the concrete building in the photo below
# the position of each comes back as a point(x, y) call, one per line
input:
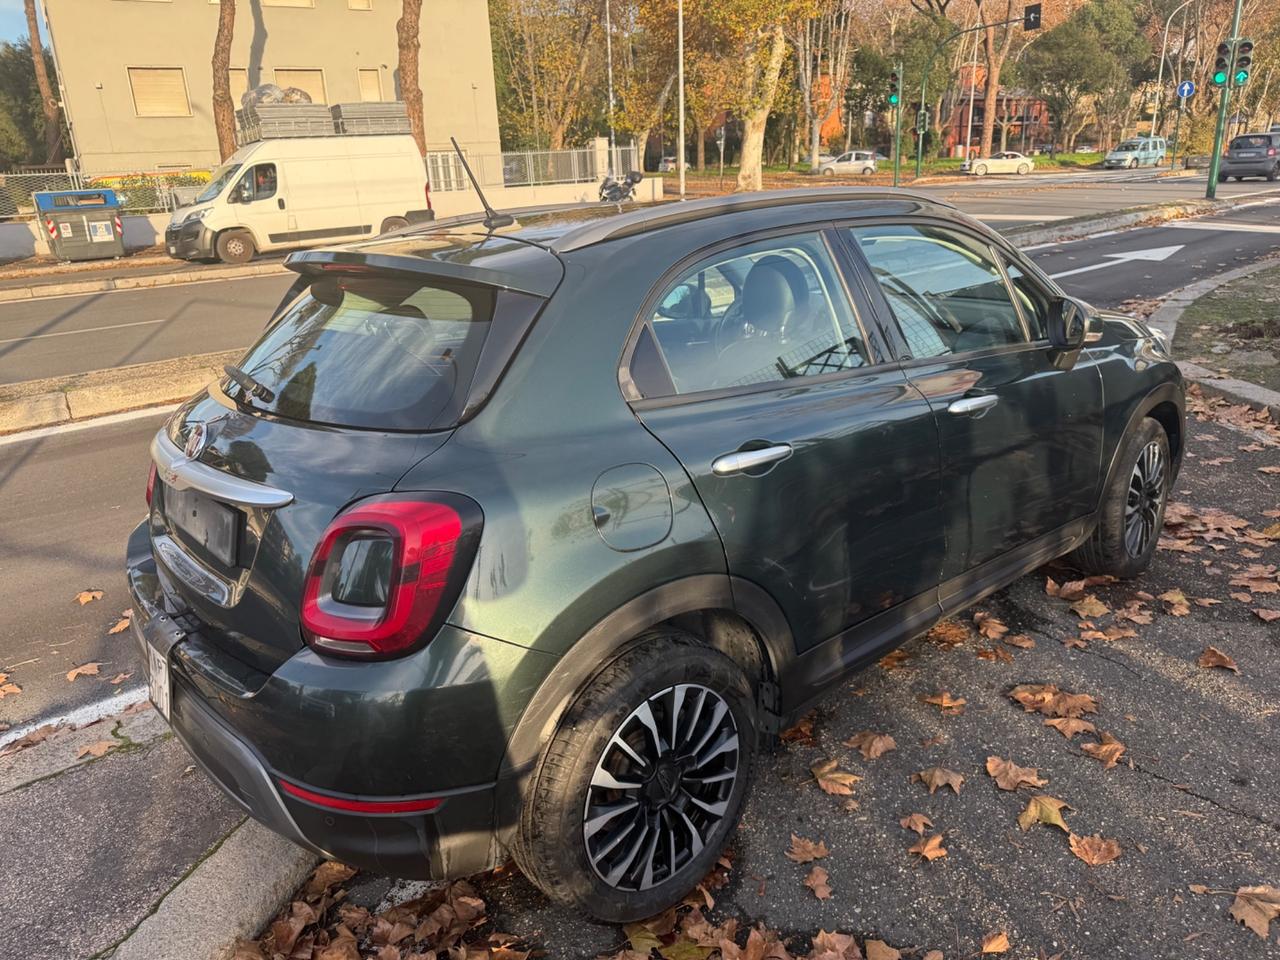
point(137, 84)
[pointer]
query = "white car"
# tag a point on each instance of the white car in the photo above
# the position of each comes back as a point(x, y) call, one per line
point(858, 162)
point(1009, 161)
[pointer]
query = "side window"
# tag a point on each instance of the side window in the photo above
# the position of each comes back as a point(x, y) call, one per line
point(258, 183)
point(1032, 298)
point(944, 289)
point(771, 310)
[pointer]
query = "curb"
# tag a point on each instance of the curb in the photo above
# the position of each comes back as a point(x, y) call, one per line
point(230, 894)
point(1078, 228)
point(43, 291)
point(57, 400)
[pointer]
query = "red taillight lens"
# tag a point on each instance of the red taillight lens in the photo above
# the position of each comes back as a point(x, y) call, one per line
point(151, 482)
point(386, 572)
point(421, 805)
point(1271, 151)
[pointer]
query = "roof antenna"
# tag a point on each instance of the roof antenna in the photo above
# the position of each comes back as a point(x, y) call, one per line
point(493, 219)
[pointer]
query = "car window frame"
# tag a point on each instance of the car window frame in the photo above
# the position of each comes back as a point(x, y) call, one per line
point(863, 310)
point(892, 331)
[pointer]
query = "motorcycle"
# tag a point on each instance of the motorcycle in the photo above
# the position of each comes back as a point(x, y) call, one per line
point(619, 191)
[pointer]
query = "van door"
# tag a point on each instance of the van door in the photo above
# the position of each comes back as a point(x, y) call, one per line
point(258, 203)
point(322, 200)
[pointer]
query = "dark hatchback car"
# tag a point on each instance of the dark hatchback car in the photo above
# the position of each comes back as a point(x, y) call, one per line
point(1252, 155)
point(519, 542)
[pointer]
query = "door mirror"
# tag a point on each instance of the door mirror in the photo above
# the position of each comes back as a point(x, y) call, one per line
point(1068, 324)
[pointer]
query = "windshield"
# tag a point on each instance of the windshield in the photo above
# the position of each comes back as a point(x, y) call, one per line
point(221, 177)
point(372, 352)
point(1129, 146)
point(1250, 143)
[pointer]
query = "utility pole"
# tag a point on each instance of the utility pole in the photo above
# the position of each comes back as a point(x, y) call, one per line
point(608, 44)
point(680, 92)
point(1224, 94)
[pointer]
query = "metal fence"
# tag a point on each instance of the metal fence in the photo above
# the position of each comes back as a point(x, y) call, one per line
point(137, 192)
point(524, 168)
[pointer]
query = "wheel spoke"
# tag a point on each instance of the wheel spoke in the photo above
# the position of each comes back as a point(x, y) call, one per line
point(644, 714)
point(716, 716)
point(629, 857)
point(597, 822)
point(603, 778)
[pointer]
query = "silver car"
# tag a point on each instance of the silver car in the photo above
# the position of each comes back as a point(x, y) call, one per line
point(855, 162)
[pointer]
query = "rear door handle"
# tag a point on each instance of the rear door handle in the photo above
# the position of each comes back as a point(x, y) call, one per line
point(731, 463)
point(973, 406)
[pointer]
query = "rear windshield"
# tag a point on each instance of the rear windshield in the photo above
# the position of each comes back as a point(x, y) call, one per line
point(372, 352)
point(1250, 143)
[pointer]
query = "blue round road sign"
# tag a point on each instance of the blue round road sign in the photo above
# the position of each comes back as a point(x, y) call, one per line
point(1186, 88)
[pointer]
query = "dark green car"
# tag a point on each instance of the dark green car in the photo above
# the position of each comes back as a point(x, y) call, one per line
point(520, 541)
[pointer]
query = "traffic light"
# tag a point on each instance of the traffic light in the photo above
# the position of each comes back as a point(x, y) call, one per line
point(895, 88)
point(1222, 66)
point(1244, 60)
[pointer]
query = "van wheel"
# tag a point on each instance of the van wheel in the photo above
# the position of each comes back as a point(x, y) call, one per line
point(393, 223)
point(642, 782)
point(1133, 506)
point(235, 246)
point(1133, 164)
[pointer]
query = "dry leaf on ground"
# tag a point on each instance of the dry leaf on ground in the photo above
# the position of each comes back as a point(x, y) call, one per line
point(122, 624)
point(1070, 726)
point(936, 777)
point(802, 732)
point(997, 942)
point(944, 701)
point(1176, 603)
point(871, 744)
point(989, 626)
point(1090, 606)
point(832, 779)
point(995, 655)
point(895, 660)
point(84, 670)
point(1213, 657)
point(8, 687)
point(1256, 907)
point(1020, 640)
point(97, 749)
point(917, 822)
point(1265, 615)
point(1095, 851)
point(1108, 751)
point(803, 850)
point(87, 596)
point(1047, 699)
point(1009, 776)
point(879, 950)
point(834, 946)
point(930, 849)
point(817, 882)
point(1046, 810)
point(948, 634)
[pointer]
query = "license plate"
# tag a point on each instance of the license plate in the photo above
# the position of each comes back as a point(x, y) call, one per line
point(172, 250)
point(1248, 155)
point(212, 525)
point(158, 679)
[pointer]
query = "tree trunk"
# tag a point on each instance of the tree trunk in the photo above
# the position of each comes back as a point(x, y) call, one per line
point(700, 134)
point(48, 102)
point(408, 42)
point(750, 174)
point(224, 108)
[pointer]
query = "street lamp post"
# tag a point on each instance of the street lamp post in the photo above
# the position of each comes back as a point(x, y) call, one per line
point(680, 91)
point(1164, 46)
point(608, 44)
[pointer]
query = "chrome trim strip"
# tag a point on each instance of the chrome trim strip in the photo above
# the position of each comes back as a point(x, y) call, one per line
point(192, 572)
point(177, 471)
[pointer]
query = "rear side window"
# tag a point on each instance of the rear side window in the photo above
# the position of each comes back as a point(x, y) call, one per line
point(1250, 143)
point(373, 352)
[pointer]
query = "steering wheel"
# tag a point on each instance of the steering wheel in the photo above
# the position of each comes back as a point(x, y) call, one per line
point(731, 362)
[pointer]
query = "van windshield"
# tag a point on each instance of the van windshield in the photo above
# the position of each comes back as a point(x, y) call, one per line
point(221, 177)
point(1129, 146)
point(374, 352)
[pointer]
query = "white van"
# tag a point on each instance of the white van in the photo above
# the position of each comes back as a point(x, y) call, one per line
point(302, 191)
point(1137, 152)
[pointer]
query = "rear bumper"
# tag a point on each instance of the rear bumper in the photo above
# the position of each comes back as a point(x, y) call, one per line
point(249, 741)
point(1248, 168)
point(190, 241)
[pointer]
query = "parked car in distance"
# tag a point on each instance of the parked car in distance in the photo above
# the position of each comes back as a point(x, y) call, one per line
point(853, 163)
point(454, 565)
point(1252, 155)
point(669, 165)
point(1136, 152)
point(281, 193)
point(1007, 161)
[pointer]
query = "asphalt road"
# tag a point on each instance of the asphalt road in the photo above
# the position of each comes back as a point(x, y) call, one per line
point(46, 338)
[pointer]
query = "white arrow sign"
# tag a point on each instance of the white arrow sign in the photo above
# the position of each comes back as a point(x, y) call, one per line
point(1116, 259)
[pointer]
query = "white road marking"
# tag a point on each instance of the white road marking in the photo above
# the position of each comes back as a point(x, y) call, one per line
point(1030, 218)
point(72, 333)
point(1154, 255)
point(43, 432)
point(81, 716)
point(1226, 225)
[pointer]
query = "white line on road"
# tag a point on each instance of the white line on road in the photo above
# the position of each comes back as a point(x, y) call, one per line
point(1154, 255)
point(71, 333)
point(1227, 225)
point(43, 432)
point(1028, 217)
point(81, 716)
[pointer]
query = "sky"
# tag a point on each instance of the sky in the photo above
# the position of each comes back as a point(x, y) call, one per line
point(13, 22)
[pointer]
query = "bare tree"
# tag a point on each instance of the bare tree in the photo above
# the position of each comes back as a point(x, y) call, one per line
point(824, 46)
point(760, 83)
point(48, 102)
point(224, 108)
point(408, 43)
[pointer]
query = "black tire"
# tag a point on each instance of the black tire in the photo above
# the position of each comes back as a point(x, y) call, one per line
point(666, 670)
point(393, 223)
point(1273, 174)
point(1222, 178)
point(1112, 547)
point(829, 172)
point(235, 246)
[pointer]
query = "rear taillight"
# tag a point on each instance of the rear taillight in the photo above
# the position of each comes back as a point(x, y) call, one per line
point(387, 572)
point(151, 482)
point(1271, 151)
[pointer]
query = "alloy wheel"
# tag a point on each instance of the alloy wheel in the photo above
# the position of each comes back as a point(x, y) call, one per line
point(661, 788)
point(1145, 499)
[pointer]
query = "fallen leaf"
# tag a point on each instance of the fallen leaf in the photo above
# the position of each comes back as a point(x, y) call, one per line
point(97, 749)
point(1242, 597)
point(879, 950)
point(1095, 851)
point(8, 688)
point(1070, 726)
point(802, 732)
point(84, 670)
point(834, 946)
point(1213, 657)
point(1256, 907)
point(817, 882)
point(1108, 751)
point(38, 735)
point(1020, 640)
point(1265, 615)
point(88, 596)
point(1272, 470)
point(122, 624)
point(1176, 603)
point(895, 660)
point(1272, 532)
point(120, 678)
point(936, 777)
point(1047, 699)
point(1090, 606)
point(946, 702)
point(995, 655)
point(871, 744)
point(997, 942)
point(1207, 601)
point(948, 634)
point(1009, 776)
point(833, 780)
point(917, 822)
point(930, 849)
point(933, 955)
point(804, 850)
point(1046, 810)
point(989, 626)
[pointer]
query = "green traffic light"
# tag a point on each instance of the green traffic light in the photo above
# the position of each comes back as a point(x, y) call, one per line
point(1242, 77)
point(893, 99)
point(1220, 77)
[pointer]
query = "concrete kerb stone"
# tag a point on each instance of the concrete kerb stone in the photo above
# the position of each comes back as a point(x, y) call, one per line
point(72, 288)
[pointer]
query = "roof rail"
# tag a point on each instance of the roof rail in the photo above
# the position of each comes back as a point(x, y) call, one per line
point(671, 214)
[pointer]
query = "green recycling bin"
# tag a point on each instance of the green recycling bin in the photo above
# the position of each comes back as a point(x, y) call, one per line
point(81, 224)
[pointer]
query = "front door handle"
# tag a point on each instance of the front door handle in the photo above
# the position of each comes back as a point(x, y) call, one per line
point(743, 460)
point(280, 202)
point(973, 406)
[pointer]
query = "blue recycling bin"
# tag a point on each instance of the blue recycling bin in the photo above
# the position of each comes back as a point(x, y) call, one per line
point(81, 224)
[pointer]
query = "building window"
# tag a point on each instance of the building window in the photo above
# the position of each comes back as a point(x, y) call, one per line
point(159, 92)
point(239, 78)
point(370, 84)
point(312, 81)
point(359, 4)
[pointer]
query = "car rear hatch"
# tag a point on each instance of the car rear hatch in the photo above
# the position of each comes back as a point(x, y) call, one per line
point(374, 358)
point(1253, 147)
